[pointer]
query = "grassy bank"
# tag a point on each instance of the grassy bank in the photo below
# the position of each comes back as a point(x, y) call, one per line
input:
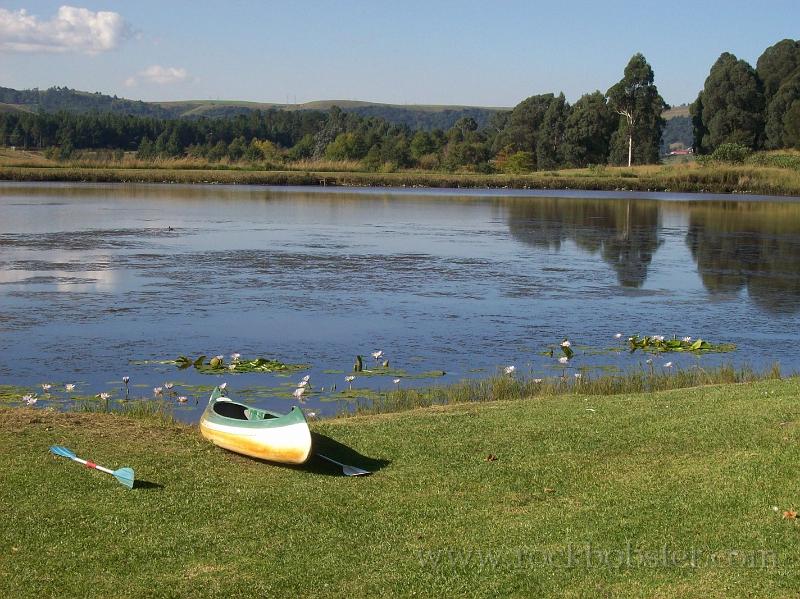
point(689, 177)
point(673, 490)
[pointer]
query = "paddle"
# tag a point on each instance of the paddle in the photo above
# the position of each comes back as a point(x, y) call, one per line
point(346, 470)
point(123, 475)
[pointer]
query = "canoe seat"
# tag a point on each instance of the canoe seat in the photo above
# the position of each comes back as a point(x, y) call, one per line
point(254, 414)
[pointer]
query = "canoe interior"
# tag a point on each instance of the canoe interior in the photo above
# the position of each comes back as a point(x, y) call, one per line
point(229, 409)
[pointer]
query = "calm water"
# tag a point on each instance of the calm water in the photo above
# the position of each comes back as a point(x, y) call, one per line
point(96, 277)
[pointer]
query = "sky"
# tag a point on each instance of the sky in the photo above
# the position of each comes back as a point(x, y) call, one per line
point(401, 52)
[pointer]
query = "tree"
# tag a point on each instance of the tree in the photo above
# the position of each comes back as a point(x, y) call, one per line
point(588, 130)
point(732, 105)
point(699, 131)
point(550, 142)
point(777, 64)
point(788, 93)
point(522, 128)
point(636, 99)
point(422, 144)
point(791, 125)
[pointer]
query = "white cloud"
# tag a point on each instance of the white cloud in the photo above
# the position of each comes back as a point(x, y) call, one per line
point(159, 75)
point(71, 30)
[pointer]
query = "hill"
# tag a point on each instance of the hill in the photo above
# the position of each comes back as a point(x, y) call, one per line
point(420, 116)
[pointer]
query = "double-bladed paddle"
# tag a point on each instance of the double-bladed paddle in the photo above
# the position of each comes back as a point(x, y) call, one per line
point(123, 475)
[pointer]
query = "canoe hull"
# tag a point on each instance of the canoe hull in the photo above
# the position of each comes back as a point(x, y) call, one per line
point(285, 439)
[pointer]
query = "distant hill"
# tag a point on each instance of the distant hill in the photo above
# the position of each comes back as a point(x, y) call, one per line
point(62, 98)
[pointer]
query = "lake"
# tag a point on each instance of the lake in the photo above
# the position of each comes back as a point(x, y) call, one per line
point(98, 282)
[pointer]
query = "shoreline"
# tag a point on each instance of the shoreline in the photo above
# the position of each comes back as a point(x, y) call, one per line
point(727, 180)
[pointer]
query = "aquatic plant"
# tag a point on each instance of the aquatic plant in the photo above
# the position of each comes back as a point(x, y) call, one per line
point(216, 365)
point(657, 343)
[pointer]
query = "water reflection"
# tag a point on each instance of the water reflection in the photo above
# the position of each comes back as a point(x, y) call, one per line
point(748, 246)
point(625, 233)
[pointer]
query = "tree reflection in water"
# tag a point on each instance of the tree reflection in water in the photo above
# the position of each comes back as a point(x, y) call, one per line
point(624, 232)
point(748, 245)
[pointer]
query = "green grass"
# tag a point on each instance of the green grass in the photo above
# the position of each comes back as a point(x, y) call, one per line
point(698, 470)
point(683, 178)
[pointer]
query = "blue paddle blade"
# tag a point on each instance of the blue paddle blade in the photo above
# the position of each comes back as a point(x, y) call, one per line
point(124, 476)
point(62, 451)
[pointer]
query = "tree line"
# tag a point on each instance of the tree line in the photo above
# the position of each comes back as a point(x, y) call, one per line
point(755, 108)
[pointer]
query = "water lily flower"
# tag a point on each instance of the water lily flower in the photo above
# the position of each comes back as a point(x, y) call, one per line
point(223, 386)
point(126, 379)
point(563, 360)
point(566, 343)
point(668, 365)
point(618, 336)
point(157, 390)
point(658, 337)
point(235, 356)
point(302, 384)
point(537, 381)
point(349, 379)
point(396, 381)
point(648, 361)
point(103, 395)
point(232, 367)
point(306, 378)
point(183, 399)
point(69, 387)
point(311, 414)
point(169, 386)
point(46, 387)
point(298, 393)
point(578, 375)
point(686, 339)
point(377, 354)
point(220, 357)
point(509, 369)
point(30, 399)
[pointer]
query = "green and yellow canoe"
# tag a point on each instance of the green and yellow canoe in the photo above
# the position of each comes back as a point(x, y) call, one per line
point(256, 433)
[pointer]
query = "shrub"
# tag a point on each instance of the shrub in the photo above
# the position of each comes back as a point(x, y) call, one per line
point(731, 152)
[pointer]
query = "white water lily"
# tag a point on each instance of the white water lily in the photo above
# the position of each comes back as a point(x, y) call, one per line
point(668, 365)
point(104, 396)
point(169, 386)
point(298, 393)
point(223, 386)
point(396, 381)
point(158, 390)
point(30, 399)
point(578, 375)
point(306, 378)
point(377, 354)
point(686, 339)
point(183, 399)
point(349, 379)
point(658, 337)
point(69, 387)
point(566, 343)
point(46, 387)
point(563, 360)
point(232, 367)
point(235, 356)
point(302, 384)
point(537, 381)
point(648, 361)
point(126, 379)
point(618, 336)
point(509, 369)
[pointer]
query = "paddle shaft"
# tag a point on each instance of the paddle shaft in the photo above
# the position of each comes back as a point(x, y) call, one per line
point(89, 464)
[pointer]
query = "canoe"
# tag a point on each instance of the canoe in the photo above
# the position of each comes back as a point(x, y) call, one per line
point(256, 433)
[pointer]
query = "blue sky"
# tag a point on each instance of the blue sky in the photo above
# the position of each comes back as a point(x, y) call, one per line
point(477, 53)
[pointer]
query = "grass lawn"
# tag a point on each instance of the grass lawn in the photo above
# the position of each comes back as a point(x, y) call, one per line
point(672, 491)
